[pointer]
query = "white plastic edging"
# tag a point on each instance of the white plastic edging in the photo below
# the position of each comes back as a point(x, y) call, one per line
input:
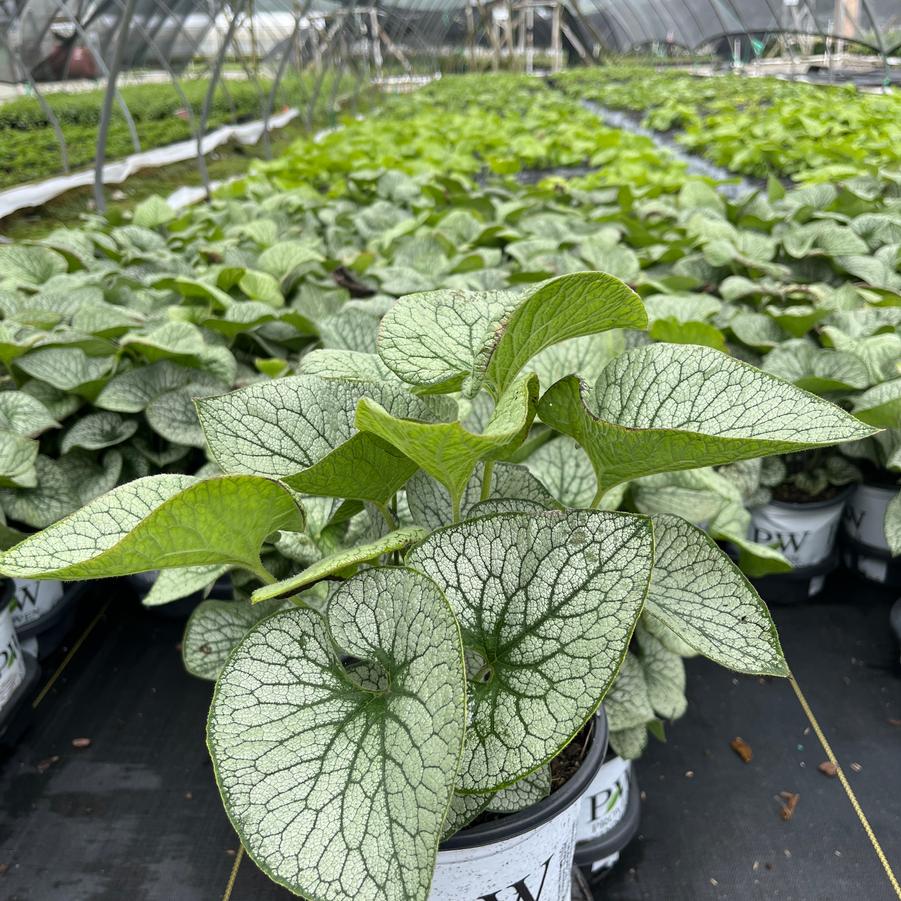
point(115, 173)
point(188, 195)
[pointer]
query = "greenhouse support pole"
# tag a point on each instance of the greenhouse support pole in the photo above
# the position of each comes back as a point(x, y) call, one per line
point(886, 69)
point(270, 99)
point(375, 40)
point(45, 106)
point(556, 43)
point(592, 31)
point(107, 110)
point(101, 65)
point(214, 78)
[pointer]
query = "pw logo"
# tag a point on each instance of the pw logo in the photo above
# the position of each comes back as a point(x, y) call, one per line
point(520, 890)
point(788, 541)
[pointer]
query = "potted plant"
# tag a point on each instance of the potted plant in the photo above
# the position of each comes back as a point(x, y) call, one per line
point(352, 735)
point(18, 670)
point(872, 523)
point(798, 509)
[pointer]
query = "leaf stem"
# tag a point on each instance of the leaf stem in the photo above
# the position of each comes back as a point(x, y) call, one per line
point(486, 480)
point(386, 515)
point(455, 508)
point(599, 496)
point(263, 574)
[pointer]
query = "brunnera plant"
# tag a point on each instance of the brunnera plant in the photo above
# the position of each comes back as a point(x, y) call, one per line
point(453, 659)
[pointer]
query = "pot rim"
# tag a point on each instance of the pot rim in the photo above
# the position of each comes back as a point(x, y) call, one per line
point(556, 803)
point(837, 500)
point(874, 486)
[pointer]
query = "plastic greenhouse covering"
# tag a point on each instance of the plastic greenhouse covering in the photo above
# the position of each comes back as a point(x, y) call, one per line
point(40, 37)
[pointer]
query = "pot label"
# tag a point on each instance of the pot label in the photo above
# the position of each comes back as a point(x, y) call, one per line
point(34, 599)
point(12, 663)
point(605, 802)
point(806, 537)
point(864, 518)
point(534, 866)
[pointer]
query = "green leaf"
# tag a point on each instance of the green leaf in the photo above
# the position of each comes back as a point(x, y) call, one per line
point(159, 522)
point(698, 593)
point(301, 430)
point(299, 745)
point(97, 431)
point(565, 469)
point(174, 584)
point(341, 564)
point(627, 704)
point(664, 675)
point(893, 525)
point(550, 610)
point(524, 793)
point(18, 455)
point(133, 390)
point(462, 811)
point(348, 365)
point(447, 451)
point(215, 629)
point(152, 213)
point(430, 502)
point(881, 405)
point(28, 266)
point(282, 259)
point(447, 340)
point(24, 415)
point(662, 408)
point(62, 486)
point(816, 369)
point(67, 368)
point(261, 286)
point(629, 743)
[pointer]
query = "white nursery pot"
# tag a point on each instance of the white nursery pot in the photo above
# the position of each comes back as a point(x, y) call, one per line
point(805, 533)
point(866, 547)
point(864, 518)
point(12, 661)
point(606, 801)
point(527, 855)
point(34, 600)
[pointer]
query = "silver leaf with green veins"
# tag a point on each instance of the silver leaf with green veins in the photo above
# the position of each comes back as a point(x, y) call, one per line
point(443, 339)
point(549, 601)
point(215, 629)
point(338, 791)
point(663, 408)
point(301, 429)
point(698, 593)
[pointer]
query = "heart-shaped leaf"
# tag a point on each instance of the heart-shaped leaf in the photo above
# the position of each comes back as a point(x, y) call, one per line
point(215, 629)
point(443, 341)
point(302, 748)
point(548, 602)
point(698, 593)
point(662, 408)
point(24, 415)
point(301, 430)
point(158, 522)
point(881, 405)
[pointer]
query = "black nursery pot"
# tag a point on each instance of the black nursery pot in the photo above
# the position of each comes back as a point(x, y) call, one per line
point(528, 851)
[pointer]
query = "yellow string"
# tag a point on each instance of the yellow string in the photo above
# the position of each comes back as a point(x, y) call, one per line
point(871, 835)
point(68, 658)
point(234, 874)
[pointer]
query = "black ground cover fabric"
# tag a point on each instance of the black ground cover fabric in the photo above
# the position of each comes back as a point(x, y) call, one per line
point(135, 815)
